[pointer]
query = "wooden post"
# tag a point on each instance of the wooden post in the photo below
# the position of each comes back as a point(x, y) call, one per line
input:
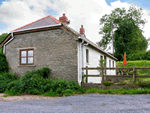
point(147, 71)
point(102, 74)
point(134, 79)
point(86, 74)
point(82, 80)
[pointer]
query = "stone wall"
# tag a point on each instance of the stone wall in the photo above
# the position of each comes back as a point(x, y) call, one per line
point(56, 49)
point(114, 79)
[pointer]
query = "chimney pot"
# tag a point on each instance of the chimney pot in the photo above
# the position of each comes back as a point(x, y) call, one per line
point(82, 31)
point(63, 19)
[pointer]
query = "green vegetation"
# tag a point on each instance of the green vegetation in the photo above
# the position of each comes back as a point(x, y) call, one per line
point(5, 79)
point(4, 95)
point(3, 36)
point(108, 83)
point(122, 26)
point(119, 91)
point(140, 63)
point(39, 82)
point(3, 63)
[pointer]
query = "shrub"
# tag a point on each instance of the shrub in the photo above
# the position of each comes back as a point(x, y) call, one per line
point(37, 82)
point(144, 84)
point(3, 63)
point(6, 78)
point(60, 85)
point(44, 72)
point(15, 87)
point(108, 83)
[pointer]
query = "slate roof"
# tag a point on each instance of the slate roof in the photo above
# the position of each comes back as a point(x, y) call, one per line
point(45, 21)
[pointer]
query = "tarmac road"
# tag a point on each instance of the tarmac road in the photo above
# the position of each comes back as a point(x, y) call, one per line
point(89, 103)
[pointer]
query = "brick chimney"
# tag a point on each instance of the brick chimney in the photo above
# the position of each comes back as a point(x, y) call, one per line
point(64, 19)
point(82, 31)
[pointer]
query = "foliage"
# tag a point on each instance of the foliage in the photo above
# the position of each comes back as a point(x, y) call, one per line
point(147, 55)
point(37, 82)
point(108, 83)
point(3, 36)
point(144, 84)
point(6, 78)
point(102, 63)
point(129, 39)
point(1, 50)
point(43, 72)
point(4, 95)
point(3, 63)
point(123, 26)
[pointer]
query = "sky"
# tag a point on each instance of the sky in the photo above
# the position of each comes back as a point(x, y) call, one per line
point(16, 13)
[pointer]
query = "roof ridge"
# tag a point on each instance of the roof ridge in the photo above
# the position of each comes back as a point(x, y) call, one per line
point(53, 18)
point(57, 21)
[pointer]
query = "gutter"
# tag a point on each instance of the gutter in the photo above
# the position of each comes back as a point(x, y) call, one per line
point(7, 43)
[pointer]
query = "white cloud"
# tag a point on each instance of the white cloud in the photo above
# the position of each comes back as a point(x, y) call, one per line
point(16, 13)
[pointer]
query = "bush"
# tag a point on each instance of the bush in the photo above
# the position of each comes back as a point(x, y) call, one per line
point(61, 85)
point(6, 78)
point(37, 82)
point(3, 63)
point(108, 83)
point(43, 72)
point(144, 84)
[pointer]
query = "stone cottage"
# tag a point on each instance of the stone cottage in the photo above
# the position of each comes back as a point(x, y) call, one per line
point(51, 42)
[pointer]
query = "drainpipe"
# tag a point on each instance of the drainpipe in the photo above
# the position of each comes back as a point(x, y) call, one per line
point(7, 43)
point(82, 45)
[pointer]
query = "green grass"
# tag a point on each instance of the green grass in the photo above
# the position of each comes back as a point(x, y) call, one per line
point(4, 95)
point(139, 63)
point(119, 91)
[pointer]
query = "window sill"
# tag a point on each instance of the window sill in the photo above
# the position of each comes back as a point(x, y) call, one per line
point(26, 65)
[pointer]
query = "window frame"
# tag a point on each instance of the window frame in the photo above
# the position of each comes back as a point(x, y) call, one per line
point(113, 64)
point(87, 56)
point(110, 63)
point(26, 57)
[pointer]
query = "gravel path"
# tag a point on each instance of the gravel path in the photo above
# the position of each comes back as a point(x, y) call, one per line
point(90, 103)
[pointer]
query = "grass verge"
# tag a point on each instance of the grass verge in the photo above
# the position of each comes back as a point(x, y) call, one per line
point(119, 91)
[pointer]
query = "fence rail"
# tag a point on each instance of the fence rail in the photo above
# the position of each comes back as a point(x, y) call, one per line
point(123, 73)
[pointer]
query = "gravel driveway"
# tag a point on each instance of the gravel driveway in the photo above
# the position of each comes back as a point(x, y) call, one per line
point(89, 103)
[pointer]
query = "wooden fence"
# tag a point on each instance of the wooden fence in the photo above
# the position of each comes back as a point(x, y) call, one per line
point(123, 73)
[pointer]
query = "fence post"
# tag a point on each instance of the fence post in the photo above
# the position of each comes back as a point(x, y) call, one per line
point(86, 74)
point(147, 71)
point(82, 80)
point(134, 79)
point(102, 74)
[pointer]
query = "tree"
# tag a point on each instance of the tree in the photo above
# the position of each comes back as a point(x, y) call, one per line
point(122, 28)
point(3, 36)
point(128, 38)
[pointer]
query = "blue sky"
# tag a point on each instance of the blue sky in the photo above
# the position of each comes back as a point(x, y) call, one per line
point(140, 3)
point(16, 13)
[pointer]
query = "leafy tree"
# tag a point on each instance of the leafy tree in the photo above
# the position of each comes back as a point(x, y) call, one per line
point(3, 36)
point(123, 27)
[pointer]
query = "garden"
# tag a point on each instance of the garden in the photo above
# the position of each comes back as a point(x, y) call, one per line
point(40, 82)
